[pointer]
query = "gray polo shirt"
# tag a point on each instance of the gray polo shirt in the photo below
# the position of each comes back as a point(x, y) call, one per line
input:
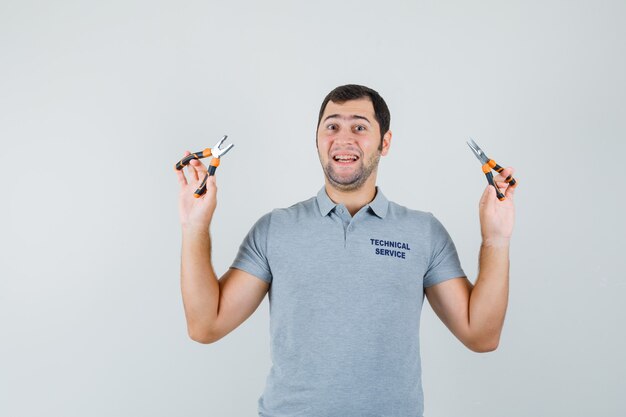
point(345, 300)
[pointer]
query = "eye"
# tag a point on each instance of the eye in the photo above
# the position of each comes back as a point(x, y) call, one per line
point(360, 128)
point(331, 126)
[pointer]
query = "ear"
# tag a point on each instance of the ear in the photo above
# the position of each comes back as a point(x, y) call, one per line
point(386, 143)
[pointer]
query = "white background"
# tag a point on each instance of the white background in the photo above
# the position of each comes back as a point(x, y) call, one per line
point(98, 100)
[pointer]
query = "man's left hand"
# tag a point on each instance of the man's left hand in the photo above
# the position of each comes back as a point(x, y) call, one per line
point(497, 217)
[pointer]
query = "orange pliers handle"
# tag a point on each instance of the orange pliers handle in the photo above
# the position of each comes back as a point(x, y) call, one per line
point(488, 165)
point(196, 155)
point(217, 151)
point(215, 162)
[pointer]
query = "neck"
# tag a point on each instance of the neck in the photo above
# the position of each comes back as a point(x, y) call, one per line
point(353, 200)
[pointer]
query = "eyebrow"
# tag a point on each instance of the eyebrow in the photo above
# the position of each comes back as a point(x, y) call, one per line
point(354, 116)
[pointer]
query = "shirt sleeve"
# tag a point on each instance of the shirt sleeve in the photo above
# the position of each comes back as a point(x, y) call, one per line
point(252, 255)
point(444, 261)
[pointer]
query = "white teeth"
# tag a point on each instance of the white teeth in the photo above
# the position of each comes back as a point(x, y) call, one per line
point(345, 157)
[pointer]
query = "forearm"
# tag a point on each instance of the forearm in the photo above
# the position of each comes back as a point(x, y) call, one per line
point(199, 284)
point(489, 297)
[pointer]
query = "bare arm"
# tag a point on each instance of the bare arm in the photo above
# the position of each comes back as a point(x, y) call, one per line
point(475, 313)
point(198, 283)
point(489, 298)
point(212, 308)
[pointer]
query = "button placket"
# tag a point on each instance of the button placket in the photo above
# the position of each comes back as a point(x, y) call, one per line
point(344, 218)
point(345, 224)
point(350, 227)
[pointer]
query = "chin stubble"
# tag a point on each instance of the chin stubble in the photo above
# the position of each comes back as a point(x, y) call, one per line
point(356, 180)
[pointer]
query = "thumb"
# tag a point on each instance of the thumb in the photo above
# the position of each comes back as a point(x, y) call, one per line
point(211, 185)
point(211, 181)
point(488, 194)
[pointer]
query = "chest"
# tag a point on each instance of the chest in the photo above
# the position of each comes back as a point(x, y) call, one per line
point(363, 263)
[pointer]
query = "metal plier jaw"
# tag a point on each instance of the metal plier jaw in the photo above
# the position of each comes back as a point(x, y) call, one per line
point(216, 151)
point(488, 165)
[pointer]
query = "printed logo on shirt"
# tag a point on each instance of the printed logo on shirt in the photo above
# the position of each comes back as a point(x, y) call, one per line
point(391, 248)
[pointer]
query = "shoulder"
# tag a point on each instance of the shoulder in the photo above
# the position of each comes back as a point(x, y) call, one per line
point(421, 222)
point(402, 213)
point(294, 213)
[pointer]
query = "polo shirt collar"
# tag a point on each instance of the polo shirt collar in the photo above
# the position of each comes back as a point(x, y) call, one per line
point(324, 202)
point(379, 205)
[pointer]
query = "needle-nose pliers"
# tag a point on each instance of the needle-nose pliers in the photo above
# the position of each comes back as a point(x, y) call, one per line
point(488, 165)
point(216, 152)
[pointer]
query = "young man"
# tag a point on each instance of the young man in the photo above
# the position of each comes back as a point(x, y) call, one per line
point(348, 271)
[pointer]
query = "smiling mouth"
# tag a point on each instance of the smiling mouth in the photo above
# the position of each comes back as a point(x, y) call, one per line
point(345, 159)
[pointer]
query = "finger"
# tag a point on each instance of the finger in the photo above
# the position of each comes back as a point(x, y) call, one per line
point(503, 186)
point(193, 176)
point(180, 174)
point(504, 174)
point(182, 181)
point(211, 185)
point(510, 191)
point(488, 194)
point(199, 169)
point(191, 170)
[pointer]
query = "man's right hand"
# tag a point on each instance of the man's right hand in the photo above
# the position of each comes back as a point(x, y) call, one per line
point(196, 212)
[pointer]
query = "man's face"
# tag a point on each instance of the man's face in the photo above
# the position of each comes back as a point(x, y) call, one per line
point(348, 139)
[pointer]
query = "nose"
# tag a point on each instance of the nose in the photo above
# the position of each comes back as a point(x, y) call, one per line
point(344, 136)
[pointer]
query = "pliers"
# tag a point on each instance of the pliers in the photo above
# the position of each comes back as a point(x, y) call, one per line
point(488, 165)
point(216, 152)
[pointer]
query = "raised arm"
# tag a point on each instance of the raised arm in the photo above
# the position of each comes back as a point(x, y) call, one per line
point(475, 313)
point(213, 307)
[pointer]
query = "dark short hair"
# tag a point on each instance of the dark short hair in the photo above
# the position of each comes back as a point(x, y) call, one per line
point(348, 92)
